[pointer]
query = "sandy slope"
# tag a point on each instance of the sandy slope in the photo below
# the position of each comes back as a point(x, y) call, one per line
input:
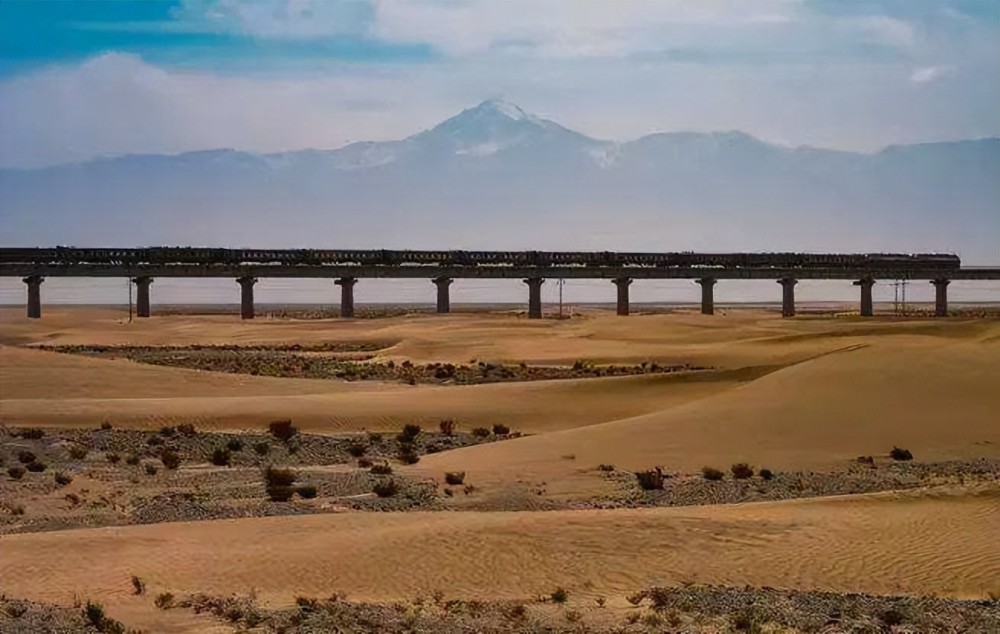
point(940, 400)
point(887, 543)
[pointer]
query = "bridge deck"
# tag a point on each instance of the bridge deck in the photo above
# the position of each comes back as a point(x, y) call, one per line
point(499, 272)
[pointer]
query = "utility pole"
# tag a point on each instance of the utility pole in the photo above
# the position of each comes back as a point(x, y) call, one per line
point(561, 283)
point(128, 282)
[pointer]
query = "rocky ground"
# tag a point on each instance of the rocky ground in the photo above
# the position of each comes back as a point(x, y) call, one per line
point(693, 608)
point(354, 361)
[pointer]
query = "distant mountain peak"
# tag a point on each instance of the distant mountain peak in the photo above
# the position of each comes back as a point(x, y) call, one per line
point(503, 108)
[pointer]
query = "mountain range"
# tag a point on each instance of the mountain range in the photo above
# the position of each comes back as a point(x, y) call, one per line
point(494, 176)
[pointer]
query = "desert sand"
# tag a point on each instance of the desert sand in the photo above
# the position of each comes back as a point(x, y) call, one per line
point(803, 394)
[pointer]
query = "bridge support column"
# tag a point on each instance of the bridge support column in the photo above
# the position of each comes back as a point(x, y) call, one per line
point(534, 297)
point(246, 296)
point(443, 299)
point(623, 283)
point(142, 295)
point(707, 295)
point(788, 296)
point(940, 296)
point(346, 285)
point(867, 308)
point(34, 283)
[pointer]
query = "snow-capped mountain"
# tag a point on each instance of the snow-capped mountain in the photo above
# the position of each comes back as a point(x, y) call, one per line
point(494, 176)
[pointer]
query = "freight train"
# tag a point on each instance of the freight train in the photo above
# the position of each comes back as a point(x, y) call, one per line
point(166, 256)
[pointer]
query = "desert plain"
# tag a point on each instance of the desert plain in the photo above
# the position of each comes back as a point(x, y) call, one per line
point(541, 427)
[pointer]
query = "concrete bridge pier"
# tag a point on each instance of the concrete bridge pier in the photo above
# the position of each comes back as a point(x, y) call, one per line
point(443, 298)
point(346, 285)
point(246, 296)
point(940, 296)
point(534, 296)
point(142, 295)
point(867, 308)
point(707, 295)
point(34, 283)
point(623, 283)
point(788, 296)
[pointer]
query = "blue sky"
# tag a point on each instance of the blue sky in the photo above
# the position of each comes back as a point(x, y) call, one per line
point(93, 78)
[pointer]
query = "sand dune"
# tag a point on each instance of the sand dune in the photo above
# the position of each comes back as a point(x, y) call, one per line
point(941, 400)
point(887, 543)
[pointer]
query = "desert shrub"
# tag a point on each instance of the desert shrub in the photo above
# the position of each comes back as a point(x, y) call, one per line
point(409, 433)
point(94, 613)
point(154, 441)
point(32, 433)
point(24, 457)
point(306, 603)
point(381, 469)
point(650, 480)
point(891, 618)
point(150, 468)
point(573, 616)
point(234, 444)
point(138, 585)
point(73, 499)
point(164, 600)
point(112, 457)
point(106, 426)
point(898, 453)
point(307, 491)
point(15, 472)
point(77, 452)
point(282, 429)
point(170, 459)
point(481, 432)
point(356, 449)
point(262, 448)
point(559, 595)
point(868, 460)
point(220, 457)
point(501, 430)
point(742, 622)
point(168, 432)
point(454, 477)
point(132, 459)
point(767, 474)
point(187, 429)
point(280, 493)
point(605, 467)
point(711, 473)
point(374, 437)
point(408, 454)
point(447, 427)
point(386, 488)
point(364, 463)
point(741, 471)
point(35, 467)
point(279, 477)
point(62, 478)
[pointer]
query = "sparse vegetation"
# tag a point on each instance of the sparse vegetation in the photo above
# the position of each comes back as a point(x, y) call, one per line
point(741, 471)
point(283, 430)
point(559, 595)
point(447, 427)
point(386, 488)
point(150, 469)
point(481, 432)
point(187, 429)
point(106, 426)
point(356, 449)
point(381, 469)
point(24, 456)
point(15, 472)
point(170, 459)
point(899, 453)
point(62, 479)
point(280, 493)
point(606, 467)
point(307, 491)
point(454, 477)
point(408, 454)
point(138, 585)
point(274, 476)
point(650, 480)
point(78, 452)
point(32, 433)
point(35, 467)
point(766, 474)
point(221, 457)
point(409, 434)
point(164, 600)
point(132, 460)
point(234, 444)
point(501, 430)
point(112, 457)
point(711, 473)
point(262, 448)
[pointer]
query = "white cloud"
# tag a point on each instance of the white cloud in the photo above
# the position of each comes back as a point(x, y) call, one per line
point(929, 73)
point(276, 18)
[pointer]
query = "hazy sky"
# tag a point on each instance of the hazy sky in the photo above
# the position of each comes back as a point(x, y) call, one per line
point(84, 79)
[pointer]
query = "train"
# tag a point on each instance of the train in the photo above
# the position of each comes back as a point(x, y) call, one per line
point(166, 256)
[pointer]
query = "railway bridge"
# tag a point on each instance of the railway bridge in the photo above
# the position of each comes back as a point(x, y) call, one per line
point(347, 267)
